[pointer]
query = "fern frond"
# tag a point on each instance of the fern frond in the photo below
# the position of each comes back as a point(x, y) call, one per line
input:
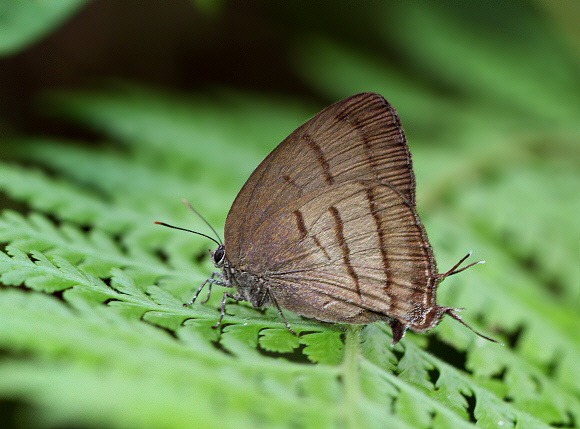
point(92, 327)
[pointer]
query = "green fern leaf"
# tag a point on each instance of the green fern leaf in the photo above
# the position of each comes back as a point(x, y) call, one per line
point(278, 340)
point(323, 347)
point(93, 330)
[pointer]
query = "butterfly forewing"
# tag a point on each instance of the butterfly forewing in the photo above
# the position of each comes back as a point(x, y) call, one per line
point(353, 252)
point(359, 138)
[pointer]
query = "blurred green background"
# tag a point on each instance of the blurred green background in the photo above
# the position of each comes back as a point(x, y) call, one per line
point(111, 112)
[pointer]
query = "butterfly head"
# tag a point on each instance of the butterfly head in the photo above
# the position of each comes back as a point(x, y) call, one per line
point(219, 256)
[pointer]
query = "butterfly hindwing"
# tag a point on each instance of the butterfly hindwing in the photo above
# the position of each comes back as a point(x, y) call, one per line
point(357, 245)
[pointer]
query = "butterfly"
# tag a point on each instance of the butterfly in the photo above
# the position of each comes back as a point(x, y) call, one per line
point(327, 227)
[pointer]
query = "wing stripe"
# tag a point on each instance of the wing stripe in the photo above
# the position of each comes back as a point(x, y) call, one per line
point(300, 224)
point(373, 207)
point(320, 157)
point(339, 231)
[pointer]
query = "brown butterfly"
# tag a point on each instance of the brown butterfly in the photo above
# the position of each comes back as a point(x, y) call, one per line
point(326, 226)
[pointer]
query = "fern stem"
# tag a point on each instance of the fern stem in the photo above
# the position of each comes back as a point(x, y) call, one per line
point(350, 368)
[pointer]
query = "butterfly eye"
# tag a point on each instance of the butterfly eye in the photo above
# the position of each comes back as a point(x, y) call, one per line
point(219, 256)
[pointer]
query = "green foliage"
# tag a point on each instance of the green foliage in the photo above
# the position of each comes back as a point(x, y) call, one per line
point(93, 332)
point(24, 22)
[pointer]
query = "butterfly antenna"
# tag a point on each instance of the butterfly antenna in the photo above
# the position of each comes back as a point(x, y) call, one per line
point(454, 270)
point(184, 201)
point(189, 230)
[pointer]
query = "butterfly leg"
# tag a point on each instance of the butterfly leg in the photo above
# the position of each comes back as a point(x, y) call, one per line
point(211, 281)
point(223, 312)
point(271, 295)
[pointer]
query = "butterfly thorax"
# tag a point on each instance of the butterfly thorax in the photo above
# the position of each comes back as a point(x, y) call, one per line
point(250, 287)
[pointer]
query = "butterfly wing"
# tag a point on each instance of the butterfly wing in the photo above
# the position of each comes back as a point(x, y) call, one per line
point(359, 138)
point(351, 253)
